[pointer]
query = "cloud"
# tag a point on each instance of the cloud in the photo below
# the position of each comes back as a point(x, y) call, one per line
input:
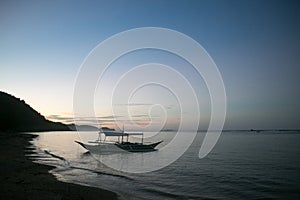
point(101, 119)
point(169, 107)
point(59, 117)
point(136, 104)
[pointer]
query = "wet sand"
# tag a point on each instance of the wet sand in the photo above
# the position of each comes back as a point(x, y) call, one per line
point(20, 178)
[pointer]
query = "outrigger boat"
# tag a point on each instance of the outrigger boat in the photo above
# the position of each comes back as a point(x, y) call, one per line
point(104, 146)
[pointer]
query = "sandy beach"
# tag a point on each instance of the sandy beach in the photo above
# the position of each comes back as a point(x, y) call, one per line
point(23, 179)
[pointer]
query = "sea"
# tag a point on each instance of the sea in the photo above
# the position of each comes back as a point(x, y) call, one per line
point(242, 165)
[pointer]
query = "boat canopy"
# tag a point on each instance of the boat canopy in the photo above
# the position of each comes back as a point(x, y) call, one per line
point(118, 133)
point(114, 133)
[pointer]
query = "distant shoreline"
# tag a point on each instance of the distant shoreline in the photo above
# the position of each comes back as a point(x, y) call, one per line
point(23, 179)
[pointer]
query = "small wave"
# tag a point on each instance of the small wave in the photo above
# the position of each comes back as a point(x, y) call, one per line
point(58, 157)
point(85, 169)
point(168, 195)
point(55, 156)
point(101, 173)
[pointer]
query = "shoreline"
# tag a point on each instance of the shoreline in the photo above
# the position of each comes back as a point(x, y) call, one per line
point(23, 179)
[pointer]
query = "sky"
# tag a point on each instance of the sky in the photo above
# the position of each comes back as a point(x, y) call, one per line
point(255, 44)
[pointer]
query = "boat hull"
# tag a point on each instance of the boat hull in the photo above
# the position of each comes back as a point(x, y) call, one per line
point(108, 148)
point(137, 147)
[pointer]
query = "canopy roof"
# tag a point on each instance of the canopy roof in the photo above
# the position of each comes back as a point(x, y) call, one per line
point(114, 133)
point(119, 133)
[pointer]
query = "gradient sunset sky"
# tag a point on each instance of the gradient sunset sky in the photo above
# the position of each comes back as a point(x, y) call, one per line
point(255, 44)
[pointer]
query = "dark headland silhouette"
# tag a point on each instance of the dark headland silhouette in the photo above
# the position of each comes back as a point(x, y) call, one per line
point(20, 177)
point(17, 116)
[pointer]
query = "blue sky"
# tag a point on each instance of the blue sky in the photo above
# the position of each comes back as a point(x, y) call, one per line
point(255, 44)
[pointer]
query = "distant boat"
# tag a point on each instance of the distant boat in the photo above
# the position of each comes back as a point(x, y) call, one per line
point(107, 147)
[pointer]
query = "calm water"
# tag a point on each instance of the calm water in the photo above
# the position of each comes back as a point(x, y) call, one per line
point(243, 165)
